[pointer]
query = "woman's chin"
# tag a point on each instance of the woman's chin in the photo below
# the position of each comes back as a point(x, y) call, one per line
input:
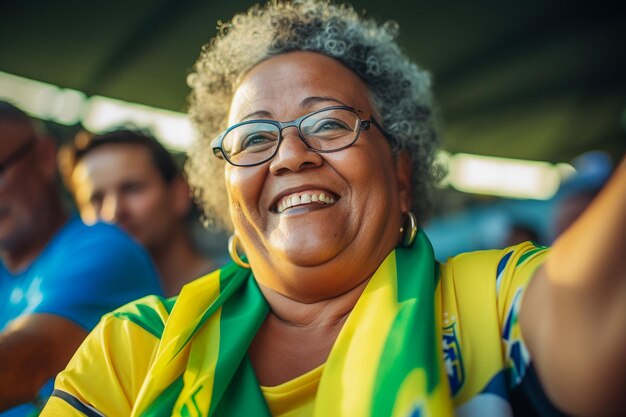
point(310, 238)
point(308, 250)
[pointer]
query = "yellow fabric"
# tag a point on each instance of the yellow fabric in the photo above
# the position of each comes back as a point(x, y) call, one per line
point(294, 398)
point(477, 307)
point(56, 407)
point(473, 308)
point(377, 304)
point(172, 355)
point(111, 375)
point(203, 357)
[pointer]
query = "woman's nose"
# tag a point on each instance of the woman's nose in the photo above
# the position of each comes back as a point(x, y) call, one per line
point(293, 154)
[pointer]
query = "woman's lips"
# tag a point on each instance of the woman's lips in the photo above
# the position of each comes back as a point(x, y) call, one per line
point(304, 197)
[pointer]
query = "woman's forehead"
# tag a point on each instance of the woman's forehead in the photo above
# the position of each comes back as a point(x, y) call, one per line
point(282, 87)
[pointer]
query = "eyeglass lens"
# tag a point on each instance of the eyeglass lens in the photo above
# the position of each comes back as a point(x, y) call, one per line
point(258, 141)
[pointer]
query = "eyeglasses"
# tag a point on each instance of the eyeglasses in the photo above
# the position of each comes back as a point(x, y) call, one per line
point(254, 142)
point(17, 155)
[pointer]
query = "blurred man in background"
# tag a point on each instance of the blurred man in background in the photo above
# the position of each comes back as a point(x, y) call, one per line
point(57, 276)
point(128, 178)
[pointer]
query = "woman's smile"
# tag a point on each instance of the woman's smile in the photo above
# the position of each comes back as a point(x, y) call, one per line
point(309, 199)
point(304, 215)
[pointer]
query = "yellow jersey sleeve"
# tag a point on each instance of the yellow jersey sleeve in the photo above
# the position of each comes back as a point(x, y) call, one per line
point(107, 372)
point(57, 407)
point(515, 270)
point(484, 354)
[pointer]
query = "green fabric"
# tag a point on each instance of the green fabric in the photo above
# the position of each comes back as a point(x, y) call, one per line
point(407, 350)
point(411, 345)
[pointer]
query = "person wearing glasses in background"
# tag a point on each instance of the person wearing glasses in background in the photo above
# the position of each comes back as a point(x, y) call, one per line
point(57, 276)
point(317, 148)
point(128, 178)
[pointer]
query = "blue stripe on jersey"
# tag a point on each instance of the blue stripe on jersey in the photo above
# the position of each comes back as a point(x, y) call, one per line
point(77, 404)
point(497, 386)
point(500, 270)
point(512, 313)
point(502, 263)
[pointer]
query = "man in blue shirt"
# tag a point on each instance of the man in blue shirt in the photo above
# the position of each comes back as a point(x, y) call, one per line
point(57, 276)
point(128, 178)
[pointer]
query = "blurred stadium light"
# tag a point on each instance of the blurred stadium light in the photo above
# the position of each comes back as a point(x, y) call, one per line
point(505, 177)
point(97, 114)
point(41, 100)
point(173, 129)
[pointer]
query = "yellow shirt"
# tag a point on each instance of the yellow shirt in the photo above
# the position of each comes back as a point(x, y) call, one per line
point(294, 398)
point(464, 288)
point(483, 352)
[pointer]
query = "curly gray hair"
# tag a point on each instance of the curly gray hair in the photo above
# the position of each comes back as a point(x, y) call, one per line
point(400, 90)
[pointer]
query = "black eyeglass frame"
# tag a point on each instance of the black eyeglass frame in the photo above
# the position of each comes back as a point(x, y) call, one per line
point(18, 154)
point(363, 125)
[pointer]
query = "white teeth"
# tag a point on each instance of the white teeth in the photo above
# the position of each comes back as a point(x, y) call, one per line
point(296, 200)
point(326, 198)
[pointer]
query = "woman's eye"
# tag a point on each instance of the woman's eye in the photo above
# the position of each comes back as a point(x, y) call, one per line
point(328, 125)
point(253, 142)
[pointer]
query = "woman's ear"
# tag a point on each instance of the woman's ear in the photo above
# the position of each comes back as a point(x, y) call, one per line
point(403, 180)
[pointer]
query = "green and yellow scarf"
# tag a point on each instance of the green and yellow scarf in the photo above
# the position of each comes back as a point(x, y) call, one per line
point(386, 360)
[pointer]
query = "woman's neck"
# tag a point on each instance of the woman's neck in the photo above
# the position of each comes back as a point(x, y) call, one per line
point(322, 313)
point(297, 337)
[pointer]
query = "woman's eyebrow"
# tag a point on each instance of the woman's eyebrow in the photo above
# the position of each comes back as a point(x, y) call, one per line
point(306, 103)
point(259, 114)
point(310, 101)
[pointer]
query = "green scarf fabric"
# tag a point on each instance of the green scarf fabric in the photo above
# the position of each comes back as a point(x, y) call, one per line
point(386, 360)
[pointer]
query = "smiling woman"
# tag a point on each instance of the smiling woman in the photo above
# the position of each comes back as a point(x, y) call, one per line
point(316, 150)
point(302, 250)
point(395, 87)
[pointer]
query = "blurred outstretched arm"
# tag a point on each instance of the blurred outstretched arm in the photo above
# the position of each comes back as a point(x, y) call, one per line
point(573, 315)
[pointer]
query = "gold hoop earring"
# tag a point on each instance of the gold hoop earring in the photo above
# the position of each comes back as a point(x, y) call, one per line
point(408, 230)
point(232, 251)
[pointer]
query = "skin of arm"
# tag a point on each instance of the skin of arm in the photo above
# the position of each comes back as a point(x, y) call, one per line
point(33, 349)
point(573, 316)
